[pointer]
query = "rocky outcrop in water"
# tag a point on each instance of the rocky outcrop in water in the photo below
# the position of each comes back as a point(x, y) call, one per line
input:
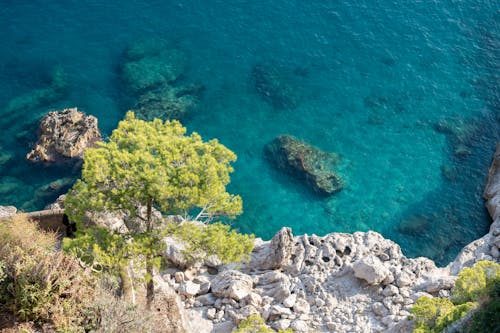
point(315, 167)
point(64, 135)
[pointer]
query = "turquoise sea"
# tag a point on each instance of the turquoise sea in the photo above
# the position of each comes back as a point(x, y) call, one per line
point(407, 92)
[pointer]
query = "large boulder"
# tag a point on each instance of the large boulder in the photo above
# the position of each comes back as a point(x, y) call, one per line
point(63, 135)
point(305, 162)
point(274, 254)
point(371, 270)
point(232, 284)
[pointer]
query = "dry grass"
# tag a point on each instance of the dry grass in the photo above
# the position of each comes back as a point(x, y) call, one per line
point(45, 290)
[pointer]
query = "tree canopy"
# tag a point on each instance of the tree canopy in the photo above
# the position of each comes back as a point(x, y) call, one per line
point(157, 164)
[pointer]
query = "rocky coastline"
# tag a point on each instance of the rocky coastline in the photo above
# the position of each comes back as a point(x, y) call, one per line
point(341, 282)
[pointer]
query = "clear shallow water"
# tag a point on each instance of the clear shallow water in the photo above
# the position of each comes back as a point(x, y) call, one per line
point(373, 79)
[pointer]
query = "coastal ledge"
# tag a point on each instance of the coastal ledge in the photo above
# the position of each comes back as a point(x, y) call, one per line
point(341, 282)
point(358, 282)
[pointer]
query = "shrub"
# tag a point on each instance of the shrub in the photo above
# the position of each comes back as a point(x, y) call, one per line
point(475, 286)
point(487, 319)
point(475, 282)
point(39, 283)
point(256, 324)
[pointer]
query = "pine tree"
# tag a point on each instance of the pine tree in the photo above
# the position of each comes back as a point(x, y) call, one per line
point(146, 165)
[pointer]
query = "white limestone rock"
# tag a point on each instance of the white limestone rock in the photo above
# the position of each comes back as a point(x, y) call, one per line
point(371, 270)
point(7, 211)
point(232, 284)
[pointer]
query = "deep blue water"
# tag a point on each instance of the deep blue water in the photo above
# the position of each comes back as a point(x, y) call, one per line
point(405, 91)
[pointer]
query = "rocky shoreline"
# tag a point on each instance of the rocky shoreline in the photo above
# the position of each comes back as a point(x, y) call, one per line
point(358, 282)
point(341, 282)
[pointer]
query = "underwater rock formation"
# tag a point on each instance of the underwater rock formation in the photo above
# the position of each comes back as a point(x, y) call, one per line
point(167, 102)
point(40, 97)
point(305, 162)
point(152, 72)
point(461, 134)
point(277, 85)
point(64, 134)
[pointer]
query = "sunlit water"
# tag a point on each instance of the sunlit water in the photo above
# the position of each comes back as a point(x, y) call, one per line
point(373, 81)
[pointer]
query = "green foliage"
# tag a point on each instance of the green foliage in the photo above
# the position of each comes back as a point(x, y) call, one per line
point(487, 319)
point(475, 286)
point(434, 314)
point(213, 239)
point(476, 282)
point(256, 324)
point(99, 249)
point(151, 165)
point(154, 162)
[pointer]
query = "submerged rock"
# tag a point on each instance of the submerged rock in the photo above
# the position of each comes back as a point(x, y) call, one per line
point(277, 85)
point(40, 97)
point(151, 66)
point(462, 134)
point(153, 73)
point(305, 162)
point(167, 102)
point(64, 134)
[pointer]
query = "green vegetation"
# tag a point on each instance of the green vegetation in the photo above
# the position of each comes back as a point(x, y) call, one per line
point(488, 319)
point(146, 166)
point(213, 239)
point(256, 324)
point(476, 287)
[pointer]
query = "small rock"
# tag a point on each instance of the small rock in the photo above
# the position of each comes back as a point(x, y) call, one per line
point(179, 277)
point(211, 313)
point(495, 252)
point(253, 299)
point(189, 289)
point(207, 299)
point(299, 326)
point(290, 301)
point(282, 324)
point(436, 284)
point(301, 306)
point(379, 309)
point(390, 290)
point(403, 279)
point(332, 326)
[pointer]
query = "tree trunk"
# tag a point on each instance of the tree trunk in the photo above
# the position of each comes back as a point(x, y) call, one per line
point(150, 288)
point(127, 284)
